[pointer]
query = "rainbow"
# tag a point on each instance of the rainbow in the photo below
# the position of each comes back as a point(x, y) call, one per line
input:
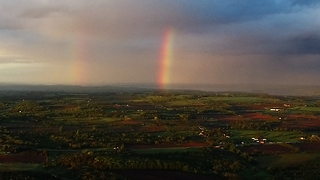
point(79, 62)
point(165, 59)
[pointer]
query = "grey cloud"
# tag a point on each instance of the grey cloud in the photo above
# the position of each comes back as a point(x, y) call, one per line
point(5, 60)
point(41, 12)
point(10, 59)
point(6, 24)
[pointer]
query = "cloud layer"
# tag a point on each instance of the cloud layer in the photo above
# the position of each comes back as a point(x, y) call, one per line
point(102, 42)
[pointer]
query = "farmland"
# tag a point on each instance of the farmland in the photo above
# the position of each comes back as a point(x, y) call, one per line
point(158, 134)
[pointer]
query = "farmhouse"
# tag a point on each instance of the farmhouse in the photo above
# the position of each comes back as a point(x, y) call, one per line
point(261, 141)
point(275, 109)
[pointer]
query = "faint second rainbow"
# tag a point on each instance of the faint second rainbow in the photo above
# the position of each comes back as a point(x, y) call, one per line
point(80, 53)
point(165, 59)
point(79, 62)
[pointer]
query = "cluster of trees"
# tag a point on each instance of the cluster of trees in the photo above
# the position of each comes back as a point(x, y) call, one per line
point(29, 139)
point(92, 138)
point(204, 163)
point(24, 110)
point(256, 125)
point(3, 105)
point(88, 159)
point(23, 150)
point(227, 168)
point(93, 112)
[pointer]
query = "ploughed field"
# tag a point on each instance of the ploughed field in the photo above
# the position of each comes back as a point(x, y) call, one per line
point(267, 149)
point(184, 145)
point(162, 175)
point(14, 158)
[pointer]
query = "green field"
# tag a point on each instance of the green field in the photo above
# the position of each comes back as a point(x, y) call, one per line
point(303, 109)
point(274, 136)
point(187, 102)
point(20, 167)
point(87, 120)
point(286, 160)
point(241, 99)
point(212, 99)
point(167, 150)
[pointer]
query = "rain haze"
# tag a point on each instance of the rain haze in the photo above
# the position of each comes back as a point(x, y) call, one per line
point(162, 42)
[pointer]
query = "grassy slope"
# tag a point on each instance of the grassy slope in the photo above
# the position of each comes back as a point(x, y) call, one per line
point(286, 160)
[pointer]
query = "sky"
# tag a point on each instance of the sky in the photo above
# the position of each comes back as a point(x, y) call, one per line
point(101, 42)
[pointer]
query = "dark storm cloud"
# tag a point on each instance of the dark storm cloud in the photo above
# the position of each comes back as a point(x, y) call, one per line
point(303, 44)
point(231, 11)
point(246, 27)
point(196, 15)
point(305, 3)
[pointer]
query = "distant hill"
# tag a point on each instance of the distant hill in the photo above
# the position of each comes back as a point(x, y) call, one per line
point(66, 88)
point(299, 90)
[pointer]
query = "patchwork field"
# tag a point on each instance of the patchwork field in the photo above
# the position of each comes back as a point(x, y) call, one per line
point(157, 135)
